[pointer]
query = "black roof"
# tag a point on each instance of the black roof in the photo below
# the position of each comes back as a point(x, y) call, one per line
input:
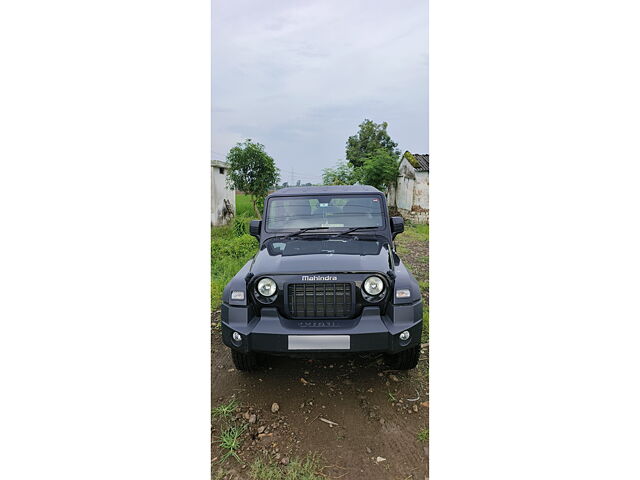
point(419, 161)
point(324, 190)
point(423, 162)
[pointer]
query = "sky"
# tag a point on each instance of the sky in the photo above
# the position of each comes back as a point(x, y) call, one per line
point(300, 76)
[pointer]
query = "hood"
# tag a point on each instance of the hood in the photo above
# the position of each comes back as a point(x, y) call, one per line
point(319, 255)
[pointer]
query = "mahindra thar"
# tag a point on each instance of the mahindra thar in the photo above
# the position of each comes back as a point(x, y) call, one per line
point(326, 279)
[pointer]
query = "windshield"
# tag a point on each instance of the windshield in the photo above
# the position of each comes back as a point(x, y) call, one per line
point(339, 211)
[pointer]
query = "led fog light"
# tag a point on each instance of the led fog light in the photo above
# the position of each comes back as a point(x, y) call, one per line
point(236, 337)
point(404, 336)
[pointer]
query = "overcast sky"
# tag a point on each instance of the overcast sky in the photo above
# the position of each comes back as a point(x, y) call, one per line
point(300, 76)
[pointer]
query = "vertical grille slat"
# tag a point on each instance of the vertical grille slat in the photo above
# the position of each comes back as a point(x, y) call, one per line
point(304, 300)
point(320, 300)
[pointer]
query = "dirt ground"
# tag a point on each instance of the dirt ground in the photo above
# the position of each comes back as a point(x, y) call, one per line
point(379, 412)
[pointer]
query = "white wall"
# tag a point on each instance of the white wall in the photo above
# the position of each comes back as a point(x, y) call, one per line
point(404, 195)
point(219, 192)
point(421, 190)
point(391, 196)
point(411, 195)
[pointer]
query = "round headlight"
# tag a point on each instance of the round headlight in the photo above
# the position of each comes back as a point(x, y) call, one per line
point(373, 286)
point(267, 287)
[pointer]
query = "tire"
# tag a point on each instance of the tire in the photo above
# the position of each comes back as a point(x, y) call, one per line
point(404, 360)
point(245, 362)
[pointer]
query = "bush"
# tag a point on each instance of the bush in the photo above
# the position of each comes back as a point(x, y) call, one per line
point(380, 170)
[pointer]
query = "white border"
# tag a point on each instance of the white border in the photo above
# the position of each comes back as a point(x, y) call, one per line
point(535, 317)
point(104, 257)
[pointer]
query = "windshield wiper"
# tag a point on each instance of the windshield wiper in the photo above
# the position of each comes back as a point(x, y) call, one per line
point(302, 230)
point(353, 230)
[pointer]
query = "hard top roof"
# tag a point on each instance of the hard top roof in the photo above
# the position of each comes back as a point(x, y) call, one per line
point(325, 190)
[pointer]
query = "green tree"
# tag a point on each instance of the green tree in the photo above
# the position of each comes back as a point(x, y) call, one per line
point(379, 169)
point(252, 171)
point(370, 138)
point(342, 174)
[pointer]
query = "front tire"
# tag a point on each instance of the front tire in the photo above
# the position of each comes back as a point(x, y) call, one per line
point(245, 362)
point(404, 360)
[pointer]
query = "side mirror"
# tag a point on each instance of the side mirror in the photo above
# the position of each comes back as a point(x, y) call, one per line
point(255, 227)
point(397, 225)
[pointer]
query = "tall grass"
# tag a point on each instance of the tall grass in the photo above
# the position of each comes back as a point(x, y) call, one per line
point(229, 253)
point(244, 207)
point(231, 248)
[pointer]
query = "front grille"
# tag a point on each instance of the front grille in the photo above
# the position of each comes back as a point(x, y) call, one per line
point(320, 300)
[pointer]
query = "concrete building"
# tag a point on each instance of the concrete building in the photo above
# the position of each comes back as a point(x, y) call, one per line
point(223, 199)
point(411, 192)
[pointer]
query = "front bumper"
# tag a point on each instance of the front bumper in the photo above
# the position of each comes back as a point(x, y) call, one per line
point(370, 332)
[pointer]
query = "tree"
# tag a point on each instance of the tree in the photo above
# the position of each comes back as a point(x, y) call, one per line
point(342, 174)
point(370, 138)
point(379, 169)
point(252, 171)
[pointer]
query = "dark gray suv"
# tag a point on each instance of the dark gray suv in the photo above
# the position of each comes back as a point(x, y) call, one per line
point(326, 279)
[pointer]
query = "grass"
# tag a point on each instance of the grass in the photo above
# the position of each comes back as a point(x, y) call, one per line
point(244, 207)
point(229, 253)
point(401, 249)
point(418, 230)
point(392, 397)
point(230, 440)
point(231, 248)
point(307, 468)
point(423, 435)
point(225, 410)
point(231, 435)
point(414, 232)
